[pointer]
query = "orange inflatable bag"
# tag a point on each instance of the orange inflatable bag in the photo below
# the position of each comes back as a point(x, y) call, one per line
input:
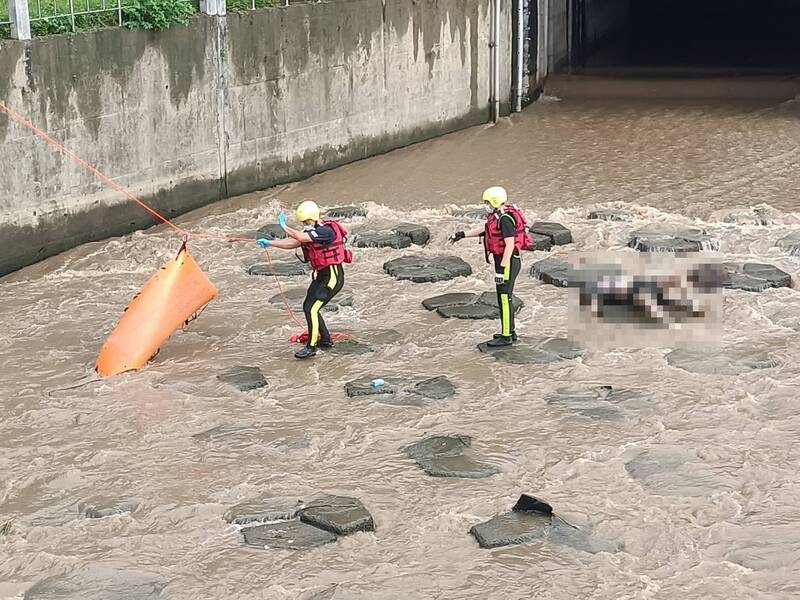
point(167, 301)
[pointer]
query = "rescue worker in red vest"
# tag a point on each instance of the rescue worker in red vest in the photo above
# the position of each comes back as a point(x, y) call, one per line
point(504, 235)
point(323, 245)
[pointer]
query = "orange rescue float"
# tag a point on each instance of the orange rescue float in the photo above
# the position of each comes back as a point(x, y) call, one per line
point(168, 300)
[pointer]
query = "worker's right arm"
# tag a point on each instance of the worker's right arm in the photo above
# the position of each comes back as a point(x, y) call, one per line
point(287, 244)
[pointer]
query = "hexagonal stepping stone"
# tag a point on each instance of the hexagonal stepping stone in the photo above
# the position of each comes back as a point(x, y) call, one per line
point(420, 269)
point(558, 234)
point(341, 515)
point(345, 212)
point(262, 509)
point(418, 234)
point(273, 231)
point(478, 213)
point(443, 456)
point(280, 268)
point(287, 535)
point(790, 243)
point(533, 520)
point(471, 311)
point(664, 237)
point(540, 242)
point(364, 387)
point(728, 362)
point(597, 402)
point(755, 277)
point(435, 388)
point(98, 581)
point(350, 348)
point(453, 299)
point(534, 351)
point(100, 508)
point(296, 296)
point(554, 271)
point(610, 215)
point(244, 378)
point(382, 240)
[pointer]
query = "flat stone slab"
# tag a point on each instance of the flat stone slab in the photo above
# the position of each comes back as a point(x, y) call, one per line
point(100, 508)
point(350, 348)
point(262, 509)
point(558, 234)
point(287, 535)
point(281, 269)
point(671, 470)
point(755, 277)
point(273, 231)
point(665, 237)
point(432, 388)
point(540, 242)
point(454, 299)
point(244, 379)
point(534, 351)
point(296, 296)
point(345, 212)
point(790, 243)
point(443, 456)
point(421, 269)
point(610, 215)
point(341, 515)
point(597, 402)
point(99, 582)
point(727, 362)
point(418, 234)
point(469, 306)
point(382, 240)
point(560, 273)
point(479, 213)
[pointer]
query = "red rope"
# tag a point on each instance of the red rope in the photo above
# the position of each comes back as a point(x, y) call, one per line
point(97, 173)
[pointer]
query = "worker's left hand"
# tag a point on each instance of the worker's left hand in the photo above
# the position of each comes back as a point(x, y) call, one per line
point(264, 243)
point(499, 279)
point(282, 220)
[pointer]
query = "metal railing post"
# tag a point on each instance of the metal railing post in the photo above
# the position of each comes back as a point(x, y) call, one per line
point(20, 20)
point(213, 7)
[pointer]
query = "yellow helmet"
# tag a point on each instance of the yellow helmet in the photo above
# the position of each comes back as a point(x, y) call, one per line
point(307, 211)
point(496, 196)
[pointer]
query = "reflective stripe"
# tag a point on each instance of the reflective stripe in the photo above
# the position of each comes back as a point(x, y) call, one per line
point(507, 271)
point(505, 317)
point(314, 333)
point(334, 278)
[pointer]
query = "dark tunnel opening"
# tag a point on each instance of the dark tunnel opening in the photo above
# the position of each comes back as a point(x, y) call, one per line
point(703, 36)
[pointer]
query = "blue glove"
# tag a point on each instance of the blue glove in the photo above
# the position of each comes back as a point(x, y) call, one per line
point(264, 243)
point(282, 220)
point(499, 279)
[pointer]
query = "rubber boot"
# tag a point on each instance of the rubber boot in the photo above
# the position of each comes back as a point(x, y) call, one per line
point(513, 336)
point(306, 352)
point(500, 341)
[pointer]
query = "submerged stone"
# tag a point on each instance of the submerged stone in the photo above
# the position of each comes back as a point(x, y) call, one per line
point(99, 582)
point(418, 234)
point(454, 299)
point(597, 402)
point(279, 268)
point(435, 388)
point(421, 269)
point(439, 446)
point(100, 508)
point(757, 215)
point(287, 535)
point(755, 277)
point(664, 237)
point(350, 348)
point(341, 515)
point(382, 240)
point(273, 231)
point(244, 378)
point(461, 467)
point(345, 212)
point(558, 234)
point(727, 362)
point(790, 243)
point(235, 437)
point(534, 351)
point(471, 213)
point(265, 508)
point(364, 387)
point(610, 215)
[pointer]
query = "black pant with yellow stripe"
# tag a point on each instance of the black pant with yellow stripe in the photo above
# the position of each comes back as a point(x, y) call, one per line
point(327, 283)
point(505, 292)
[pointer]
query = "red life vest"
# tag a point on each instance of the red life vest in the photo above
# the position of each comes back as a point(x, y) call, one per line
point(324, 255)
point(493, 240)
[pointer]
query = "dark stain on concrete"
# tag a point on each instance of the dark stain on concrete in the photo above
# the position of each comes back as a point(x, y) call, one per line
point(184, 49)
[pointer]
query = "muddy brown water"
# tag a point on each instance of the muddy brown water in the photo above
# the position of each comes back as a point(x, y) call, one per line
point(711, 511)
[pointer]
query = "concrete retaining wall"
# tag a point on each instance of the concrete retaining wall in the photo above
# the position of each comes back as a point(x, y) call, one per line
point(228, 105)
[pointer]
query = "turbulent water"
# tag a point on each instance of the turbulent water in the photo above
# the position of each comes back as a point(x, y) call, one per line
point(707, 509)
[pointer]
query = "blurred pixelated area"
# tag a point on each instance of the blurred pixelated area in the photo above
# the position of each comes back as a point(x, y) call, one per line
point(646, 300)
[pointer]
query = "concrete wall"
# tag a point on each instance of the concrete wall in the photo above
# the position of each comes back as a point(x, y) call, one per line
point(604, 18)
point(228, 105)
point(558, 34)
